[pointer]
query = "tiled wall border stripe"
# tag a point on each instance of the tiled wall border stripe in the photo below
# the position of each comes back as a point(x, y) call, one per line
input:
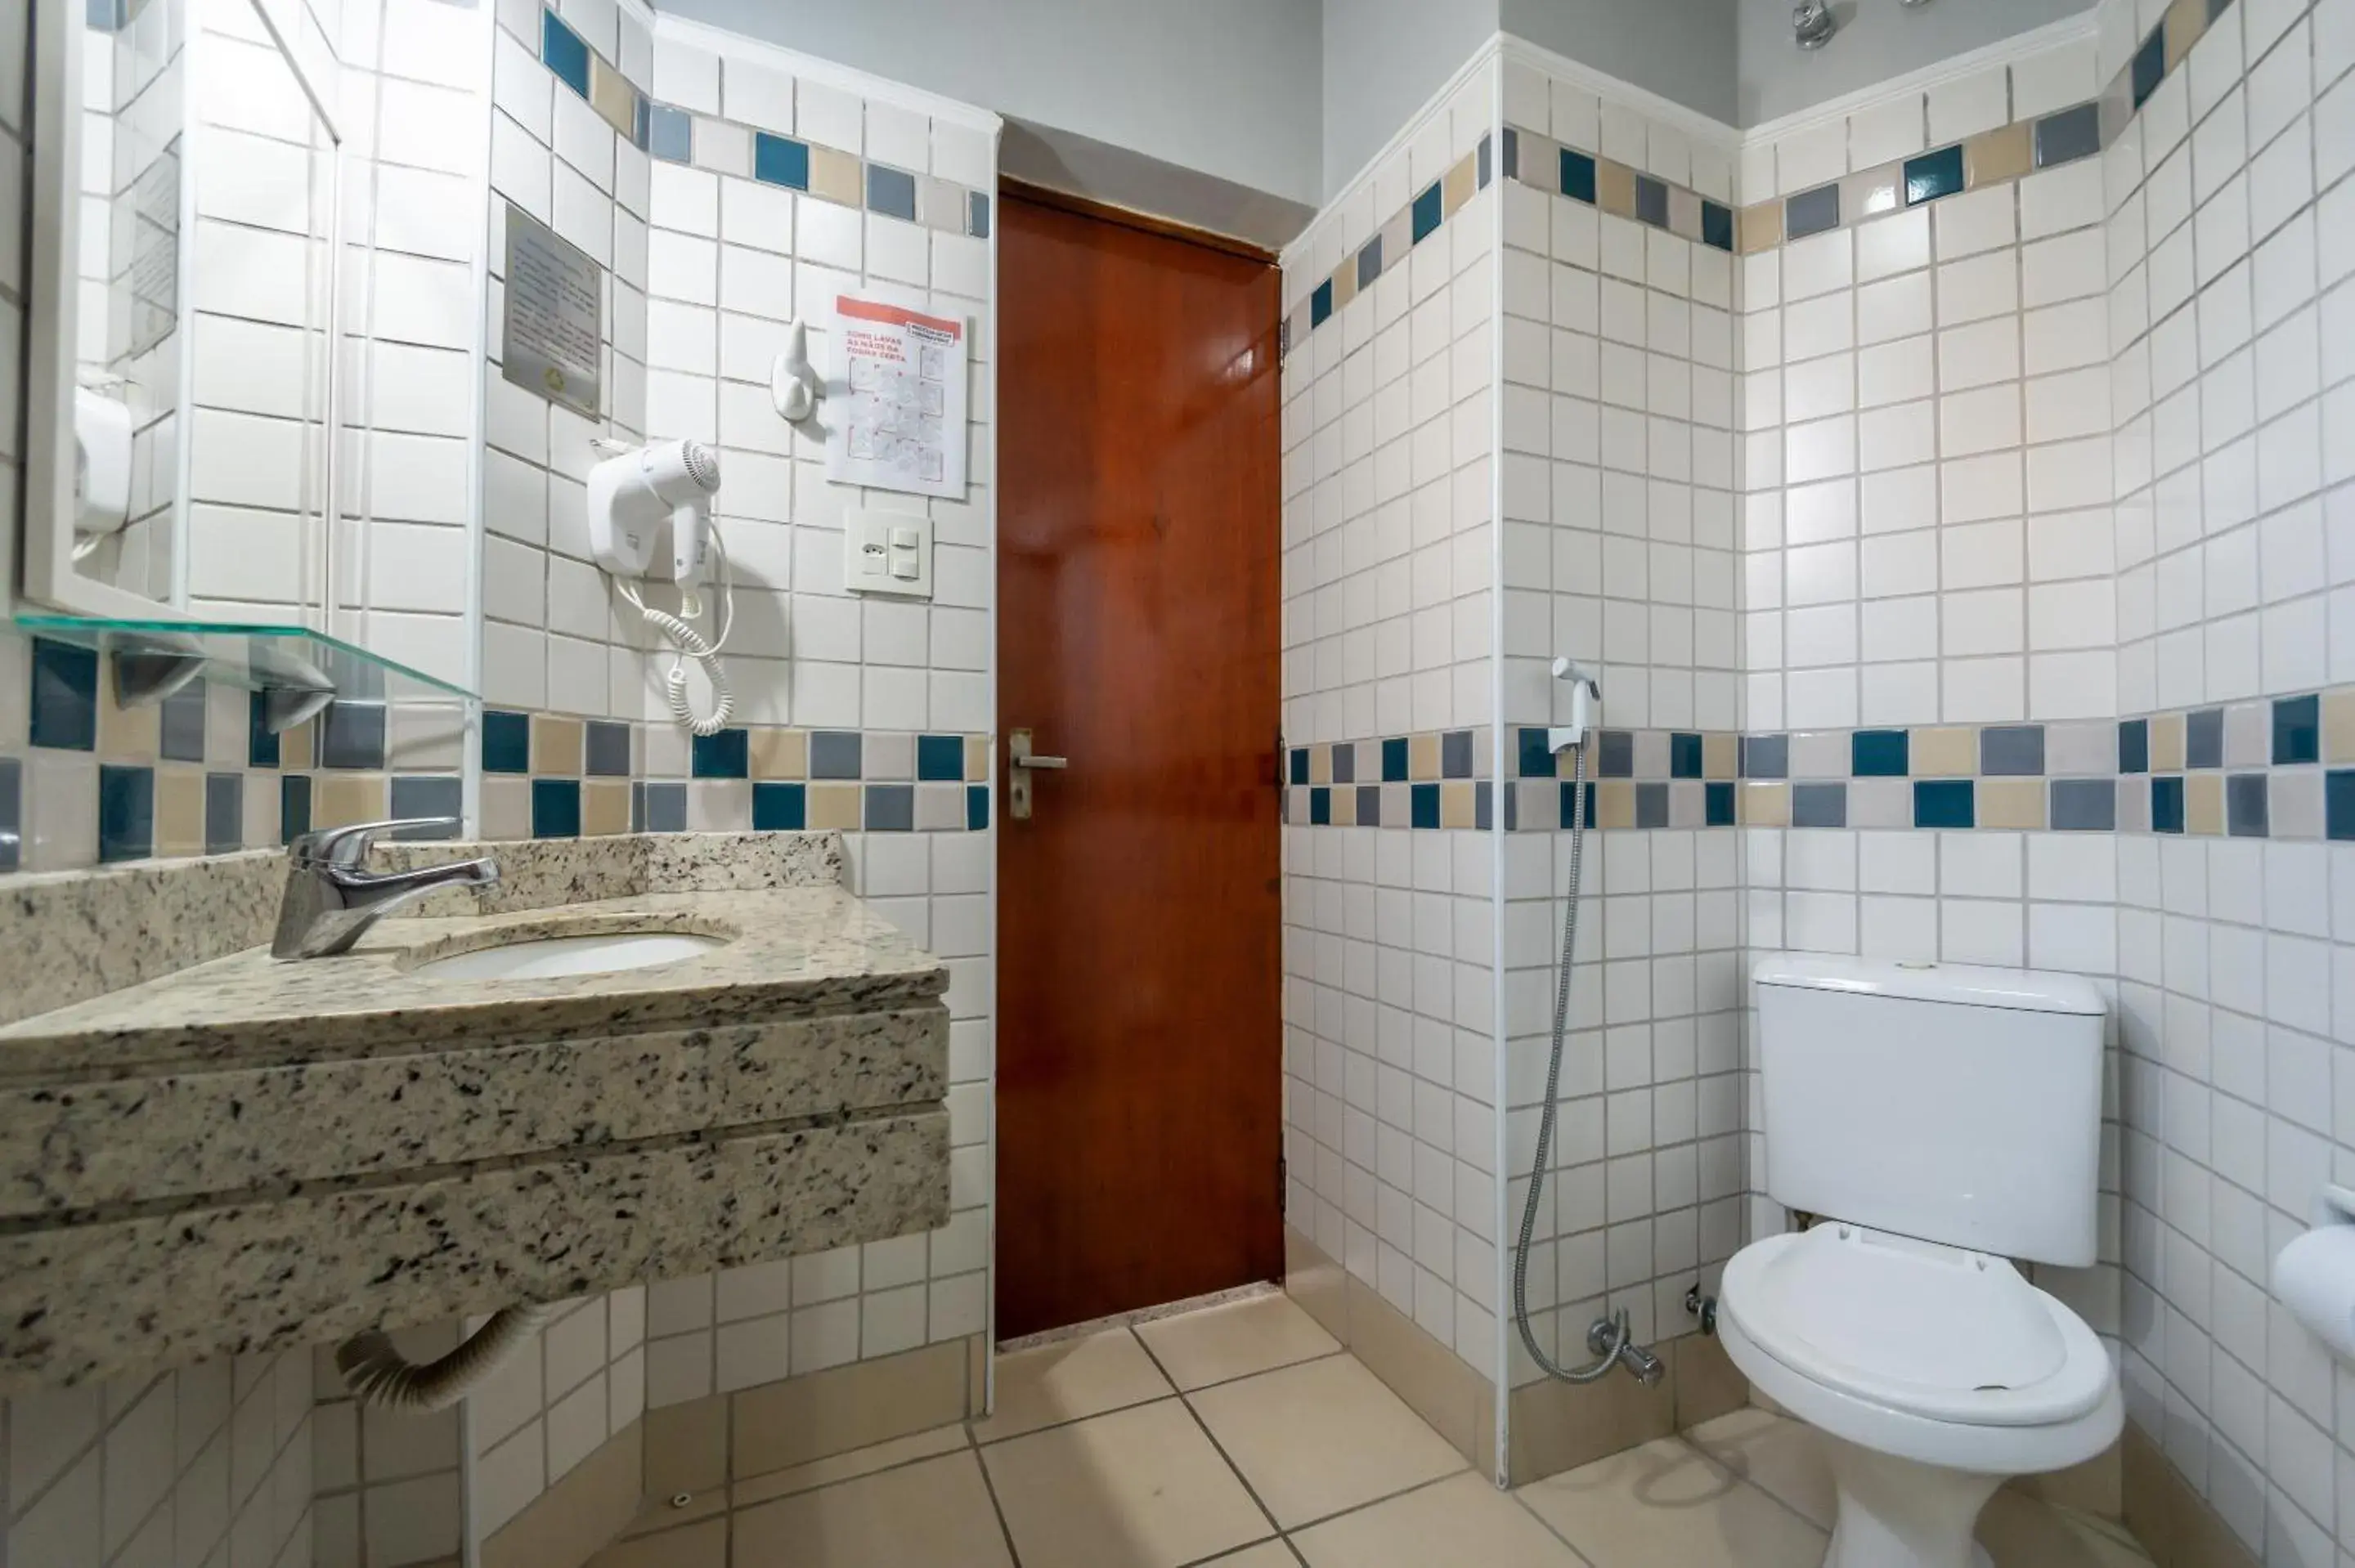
point(1540, 162)
point(675, 135)
point(1387, 245)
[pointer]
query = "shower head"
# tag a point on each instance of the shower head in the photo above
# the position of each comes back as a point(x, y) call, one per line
point(1571, 670)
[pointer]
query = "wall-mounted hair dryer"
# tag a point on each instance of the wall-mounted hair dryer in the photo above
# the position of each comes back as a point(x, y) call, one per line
point(1585, 700)
point(630, 496)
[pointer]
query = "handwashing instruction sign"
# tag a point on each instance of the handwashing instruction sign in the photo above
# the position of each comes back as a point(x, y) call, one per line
point(902, 416)
point(555, 308)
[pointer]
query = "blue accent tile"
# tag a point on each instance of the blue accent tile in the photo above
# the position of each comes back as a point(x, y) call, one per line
point(890, 807)
point(507, 742)
point(224, 813)
point(1944, 803)
point(1423, 801)
point(1765, 757)
point(261, 742)
point(1370, 261)
point(2013, 751)
point(1880, 754)
point(641, 122)
point(1684, 757)
point(1578, 176)
point(2297, 729)
point(1320, 303)
point(1320, 805)
point(1651, 805)
point(1512, 153)
point(2085, 805)
point(293, 807)
point(427, 794)
point(939, 758)
point(556, 808)
point(1651, 202)
point(1933, 175)
point(1569, 803)
point(1716, 225)
point(2166, 804)
point(1819, 805)
point(1345, 764)
point(780, 807)
point(1455, 754)
point(1394, 760)
point(2133, 746)
point(1425, 219)
point(64, 696)
point(1536, 760)
point(891, 192)
point(2339, 804)
point(976, 807)
point(1717, 804)
point(2072, 134)
point(2203, 738)
point(723, 756)
point(12, 812)
point(1299, 773)
point(665, 809)
point(2245, 806)
point(607, 749)
point(351, 735)
point(976, 223)
point(181, 737)
point(561, 51)
point(1615, 754)
point(782, 161)
point(1481, 164)
point(1811, 212)
point(2149, 64)
point(1369, 805)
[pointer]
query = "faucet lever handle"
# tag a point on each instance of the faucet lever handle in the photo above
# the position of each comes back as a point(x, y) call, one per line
point(348, 846)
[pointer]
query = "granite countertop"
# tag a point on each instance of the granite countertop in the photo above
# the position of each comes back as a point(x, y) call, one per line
point(793, 946)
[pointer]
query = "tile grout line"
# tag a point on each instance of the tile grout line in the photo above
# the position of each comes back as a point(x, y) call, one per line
point(1713, 1462)
point(996, 1509)
point(1275, 1529)
point(1175, 1393)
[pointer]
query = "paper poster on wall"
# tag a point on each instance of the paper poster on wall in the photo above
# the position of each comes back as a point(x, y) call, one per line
point(902, 411)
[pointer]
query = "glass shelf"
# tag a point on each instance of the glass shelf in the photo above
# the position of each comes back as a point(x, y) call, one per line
point(300, 669)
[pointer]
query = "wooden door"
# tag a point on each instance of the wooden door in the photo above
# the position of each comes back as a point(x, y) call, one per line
point(1139, 1040)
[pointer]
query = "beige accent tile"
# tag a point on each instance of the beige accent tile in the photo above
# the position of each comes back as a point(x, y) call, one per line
point(136, 733)
point(780, 753)
point(1435, 1382)
point(294, 743)
point(1948, 753)
point(937, 1513)
point(2011, 803)
point(179, 812)
point(2338, 727)
point(2186, 21)
point(2166, 744)
point(1322, 1436)
point(1465, 1520)
point(1615, 187)
point(1422, 757)
point(977, 759)
point(1684, 212)
point(834, 806)
point(604, 807)
point(927, 1445)
point(570, 1522)
point(1720, 755)
point(1343, 806)
point(1320, 765)
point(2015, 1527)
point(836, 176)
point(2203, 803)
point(555, 745)
point(1345, 282)
point(1458, 185)
point(1993, 157)
point(340, 799)
point(609, 96)
point(506, 807)
point(1459, 805)
point(784, 1423)
point(1558, 1426)
point(1665, 1506)
point(687, 1447)
point(1759, 227)
point(1763, 805)
point(1141, 1488)
point(1615, 803)
point(1217, 1344)
point(1068, 1379)
point(1782, 1457)
point(703, 1545)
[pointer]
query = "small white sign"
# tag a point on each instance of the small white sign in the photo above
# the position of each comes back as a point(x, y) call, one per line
point(903, 399)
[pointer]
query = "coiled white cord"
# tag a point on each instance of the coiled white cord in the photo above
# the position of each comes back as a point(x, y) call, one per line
point(379, 1375)
point(692, 644)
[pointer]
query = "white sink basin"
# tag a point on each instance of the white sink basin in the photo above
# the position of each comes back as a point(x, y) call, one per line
point(553, 955)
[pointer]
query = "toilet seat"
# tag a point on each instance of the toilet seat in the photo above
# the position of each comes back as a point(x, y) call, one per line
point(1926, 1351)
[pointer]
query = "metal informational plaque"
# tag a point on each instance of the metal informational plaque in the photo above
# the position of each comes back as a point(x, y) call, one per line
point(554, 312)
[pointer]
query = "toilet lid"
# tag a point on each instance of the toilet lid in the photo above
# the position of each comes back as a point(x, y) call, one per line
point(1932, 1330)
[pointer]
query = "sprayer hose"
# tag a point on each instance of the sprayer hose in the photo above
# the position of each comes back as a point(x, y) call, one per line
point(381, 1375)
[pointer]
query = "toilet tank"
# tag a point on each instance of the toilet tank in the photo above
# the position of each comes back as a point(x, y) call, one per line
point(1942, 1102)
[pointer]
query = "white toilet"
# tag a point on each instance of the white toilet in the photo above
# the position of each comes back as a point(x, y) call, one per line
point(1939, 1121)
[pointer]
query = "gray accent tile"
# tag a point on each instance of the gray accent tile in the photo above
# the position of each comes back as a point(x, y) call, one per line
point(181, 737)
point(2134, 804)
point(665, 809)
point(1484, 805)
point(2082, 748)
point(833, 754)
point(224, 812)
point(2072, 133)
point(1766, 757)
point(2203, 738)
point(351, 735)
point(1369, 805)
point(2011, 749)
point(1651, 202)
point(2249, 735)
point(890, 807)
point(424, 795)
point(1652, 754)
point(12, 812)
point(891, 192)
point(2245, 806)
point(1652, 805)
point(608, 749)
point(1820, 754)
point(1455, 754)
point(1881, 803)
point(2295, 812)
point(1819, 805)
point(1345, 764)
point(1614, 755)
point(1811, 212)
point(2085, 805)
point(670, 133)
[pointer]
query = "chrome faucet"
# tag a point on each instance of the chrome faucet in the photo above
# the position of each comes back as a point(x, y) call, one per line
point(330, 901)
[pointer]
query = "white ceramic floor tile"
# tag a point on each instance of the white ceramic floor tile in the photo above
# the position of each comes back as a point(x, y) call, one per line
point(1217, 1344)
point(1322, 1437)
point(1464, 1520)
point(1665, 1505)
point(1070, 1380)
point(1141, 1488)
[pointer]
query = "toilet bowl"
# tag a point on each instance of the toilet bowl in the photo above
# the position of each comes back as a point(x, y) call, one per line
point(1934, 1372)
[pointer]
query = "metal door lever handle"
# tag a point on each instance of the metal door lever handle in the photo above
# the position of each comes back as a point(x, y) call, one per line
point(1034, 760)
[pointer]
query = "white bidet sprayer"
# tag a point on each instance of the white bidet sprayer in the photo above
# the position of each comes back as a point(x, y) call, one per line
point(630, 496)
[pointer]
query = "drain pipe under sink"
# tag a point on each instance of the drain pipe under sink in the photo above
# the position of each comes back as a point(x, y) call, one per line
point(381, 1375)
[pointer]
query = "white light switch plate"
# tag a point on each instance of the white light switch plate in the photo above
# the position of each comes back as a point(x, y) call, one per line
point(887, 553)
